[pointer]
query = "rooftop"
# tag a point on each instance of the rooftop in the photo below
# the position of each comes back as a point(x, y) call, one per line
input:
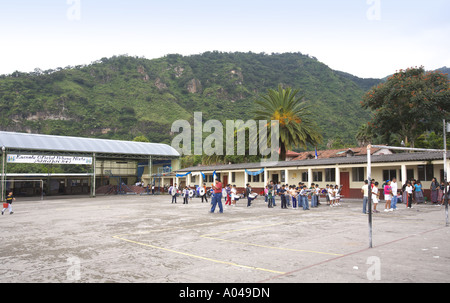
point(388, 158)
point(23, 142)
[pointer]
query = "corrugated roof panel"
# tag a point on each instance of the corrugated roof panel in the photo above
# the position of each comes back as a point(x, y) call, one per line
point(76, 144)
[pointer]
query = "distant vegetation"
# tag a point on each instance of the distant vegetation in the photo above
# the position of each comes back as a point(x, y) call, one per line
point(127, 97)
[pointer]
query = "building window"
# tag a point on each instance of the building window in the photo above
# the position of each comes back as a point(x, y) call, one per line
point(304, 177)
point(330, 175)
point(425, 172)
point(256, 178)
point(389, 174)
point(233, 177)
point(317, 176)
point(358, 174)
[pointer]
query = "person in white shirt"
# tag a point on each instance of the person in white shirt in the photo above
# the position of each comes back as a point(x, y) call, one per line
point(394, 199)
point(375, 197)
point(365, 192)
point(173, 192)
point(234, 195)
point(317, 190)
point(337, 195)
point(331, 195)
point(294, 194)
point(409, 193)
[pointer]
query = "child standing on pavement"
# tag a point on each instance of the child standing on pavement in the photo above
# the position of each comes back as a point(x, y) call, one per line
point(9, 200)
point(375, 197)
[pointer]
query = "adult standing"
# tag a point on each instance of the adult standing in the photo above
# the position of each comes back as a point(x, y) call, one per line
point(434, 191)
point(174, 192)
point(418, 193)
point(282, 194)
point(217, 199)
point(365, 192)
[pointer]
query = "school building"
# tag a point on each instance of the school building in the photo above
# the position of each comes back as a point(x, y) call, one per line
point(97, 164)
point(87, 164)
point(346, 167)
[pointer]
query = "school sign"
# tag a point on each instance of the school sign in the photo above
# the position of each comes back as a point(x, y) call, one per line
point(40, 159)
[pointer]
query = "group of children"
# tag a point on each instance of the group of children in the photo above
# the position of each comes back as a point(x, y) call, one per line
point(229, 193)
point(300, 195)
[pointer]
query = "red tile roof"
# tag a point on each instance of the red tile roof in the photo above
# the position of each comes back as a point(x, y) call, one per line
point(334, 153)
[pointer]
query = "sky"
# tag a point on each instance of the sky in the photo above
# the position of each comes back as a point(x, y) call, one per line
point(366, 38)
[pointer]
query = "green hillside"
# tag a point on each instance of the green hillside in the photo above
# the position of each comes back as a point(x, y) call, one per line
point(123, 97)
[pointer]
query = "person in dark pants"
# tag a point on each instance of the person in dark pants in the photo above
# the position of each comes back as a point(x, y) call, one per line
point(186, 195)
point(270, 194)
point(248, 191)
point(9, 200)
point(282, 194)
point(217, 199)
point(174, 193)
point(204, 196)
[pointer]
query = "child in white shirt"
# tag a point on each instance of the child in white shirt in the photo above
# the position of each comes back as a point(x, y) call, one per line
point(375, 195)
point(331, 195)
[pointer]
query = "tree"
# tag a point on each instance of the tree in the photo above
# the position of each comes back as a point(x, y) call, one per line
point(365, 135)
point(141, 138)
point(296, 127)
point(409, 103)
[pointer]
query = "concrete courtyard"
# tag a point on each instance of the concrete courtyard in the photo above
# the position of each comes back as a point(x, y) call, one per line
point(136, 238)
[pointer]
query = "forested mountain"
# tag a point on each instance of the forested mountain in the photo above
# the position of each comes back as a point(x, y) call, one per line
point(123, 97)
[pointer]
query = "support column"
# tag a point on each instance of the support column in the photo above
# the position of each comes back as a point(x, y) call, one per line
point(188, 180)
point(150, 170)
point(266, 181)
point(286, 176)
point(403, 174)
point(230, 175)
point(94, 174)
point(310, 177)
point(338, 176)
point(200, 180)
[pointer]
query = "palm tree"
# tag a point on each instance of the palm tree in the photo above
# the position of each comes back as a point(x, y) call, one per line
point(296, 126)
point(365, 135)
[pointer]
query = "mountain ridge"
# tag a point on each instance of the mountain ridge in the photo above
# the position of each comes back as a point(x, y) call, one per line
point(123, 96)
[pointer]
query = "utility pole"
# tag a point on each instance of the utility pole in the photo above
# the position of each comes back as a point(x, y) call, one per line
point(445, 173)
point(3, 174)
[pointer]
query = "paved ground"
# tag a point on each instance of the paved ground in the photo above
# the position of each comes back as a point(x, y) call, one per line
point(148, 239)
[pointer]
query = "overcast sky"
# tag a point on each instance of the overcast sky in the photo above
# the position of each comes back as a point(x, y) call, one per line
point(367, 38)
